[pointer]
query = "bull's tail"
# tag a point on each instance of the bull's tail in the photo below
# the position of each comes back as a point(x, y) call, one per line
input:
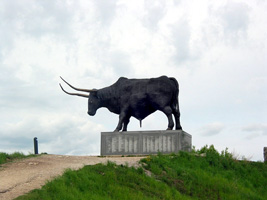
point(176, 93)
point(140, 123)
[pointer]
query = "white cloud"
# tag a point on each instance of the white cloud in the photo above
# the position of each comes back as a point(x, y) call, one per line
point(105, 11)
point(255, 130)
point(212, 129)
point(154, 12)
point(180, 34)
point(235, 18)
point(56, 133)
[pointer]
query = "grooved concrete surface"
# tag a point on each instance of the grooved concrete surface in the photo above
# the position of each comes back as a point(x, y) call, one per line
point(145, 142)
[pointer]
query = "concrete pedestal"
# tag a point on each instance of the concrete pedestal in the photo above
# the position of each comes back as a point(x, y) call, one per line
point(144, 142)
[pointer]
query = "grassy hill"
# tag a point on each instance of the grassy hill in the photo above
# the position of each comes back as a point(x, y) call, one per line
point(203, 174)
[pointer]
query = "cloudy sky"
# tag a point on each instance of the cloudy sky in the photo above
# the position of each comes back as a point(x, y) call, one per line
point(215, 49)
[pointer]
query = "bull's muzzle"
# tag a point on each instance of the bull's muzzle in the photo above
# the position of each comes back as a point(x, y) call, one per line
point(91, 113)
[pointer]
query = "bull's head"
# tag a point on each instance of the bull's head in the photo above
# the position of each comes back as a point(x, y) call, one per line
point(93, 100)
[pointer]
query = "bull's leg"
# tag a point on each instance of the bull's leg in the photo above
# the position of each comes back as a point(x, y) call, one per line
point(125, 123)
point(176, 113)
point(121, 120)
point(119, 126)
point(168, 112)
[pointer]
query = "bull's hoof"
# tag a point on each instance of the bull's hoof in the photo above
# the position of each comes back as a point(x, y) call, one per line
point(116, 130)
point(169, 129)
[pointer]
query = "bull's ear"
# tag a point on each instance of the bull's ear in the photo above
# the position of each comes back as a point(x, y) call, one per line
point(94, 93)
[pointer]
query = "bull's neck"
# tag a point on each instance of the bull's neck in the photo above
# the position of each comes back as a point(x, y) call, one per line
point(109, 99)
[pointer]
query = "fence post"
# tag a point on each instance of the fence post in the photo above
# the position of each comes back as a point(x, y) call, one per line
point(35, 142)
point(265, 153)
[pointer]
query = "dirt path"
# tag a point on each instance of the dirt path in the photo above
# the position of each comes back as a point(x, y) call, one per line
point(20, 177)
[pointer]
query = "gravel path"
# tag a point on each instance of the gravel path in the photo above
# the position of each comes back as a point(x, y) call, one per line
point(20, 177)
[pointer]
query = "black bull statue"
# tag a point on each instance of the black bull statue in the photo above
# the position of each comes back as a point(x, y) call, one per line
point(135, 97)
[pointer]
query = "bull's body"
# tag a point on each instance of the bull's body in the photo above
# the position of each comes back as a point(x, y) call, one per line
point(138, 98)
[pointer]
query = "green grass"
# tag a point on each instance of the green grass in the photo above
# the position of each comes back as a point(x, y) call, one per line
point(176, 176)
point(5, 157)
point(105, 182)
point(213, 176)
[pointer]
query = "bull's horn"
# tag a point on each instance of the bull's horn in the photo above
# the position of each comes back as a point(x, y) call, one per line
point(78, 89)
point(77, 94)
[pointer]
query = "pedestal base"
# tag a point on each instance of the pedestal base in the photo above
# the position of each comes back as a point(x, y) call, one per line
point(144, 142)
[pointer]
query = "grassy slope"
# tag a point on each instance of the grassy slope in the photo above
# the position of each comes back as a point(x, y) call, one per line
point(5, 157)
point(215, 176)
point(176, 176)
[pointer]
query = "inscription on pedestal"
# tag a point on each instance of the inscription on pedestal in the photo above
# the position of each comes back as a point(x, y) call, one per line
point(144, 142)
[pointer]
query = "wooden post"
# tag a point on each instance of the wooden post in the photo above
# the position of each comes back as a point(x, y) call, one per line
point(265, 153)
point(35, 142)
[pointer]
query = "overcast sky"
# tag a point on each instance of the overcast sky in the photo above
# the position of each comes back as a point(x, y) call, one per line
point(215, 49)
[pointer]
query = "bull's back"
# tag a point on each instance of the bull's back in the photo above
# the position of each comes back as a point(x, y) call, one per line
point(146, 86)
